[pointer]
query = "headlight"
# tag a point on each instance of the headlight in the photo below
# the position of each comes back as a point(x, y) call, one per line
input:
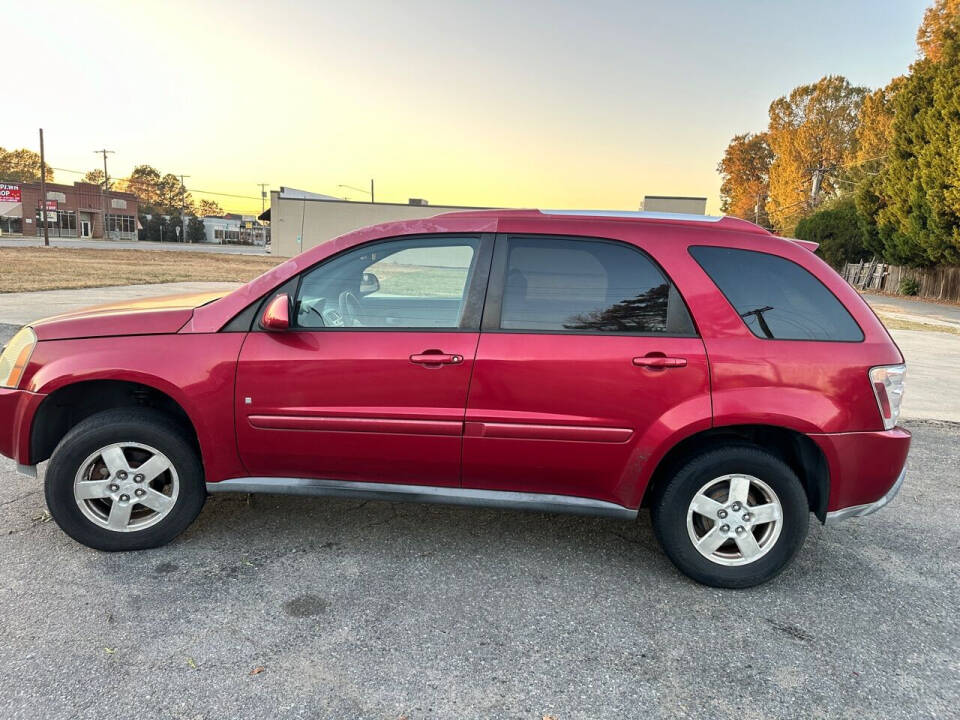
point(887, 381)
point(15, 356)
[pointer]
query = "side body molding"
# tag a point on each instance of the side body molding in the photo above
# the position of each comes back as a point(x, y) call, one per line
point(538, 502)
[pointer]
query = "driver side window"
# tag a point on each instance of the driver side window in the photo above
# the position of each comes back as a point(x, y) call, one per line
point(410, 283)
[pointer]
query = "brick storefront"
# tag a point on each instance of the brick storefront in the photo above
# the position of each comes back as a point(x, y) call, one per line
point(79, 211)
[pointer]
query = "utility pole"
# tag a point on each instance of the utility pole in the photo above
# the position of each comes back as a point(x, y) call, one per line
point(371, 191)
point(43, 193)
point(106, 186)
point(263, 197)
point(819, 173)
point(183, 209)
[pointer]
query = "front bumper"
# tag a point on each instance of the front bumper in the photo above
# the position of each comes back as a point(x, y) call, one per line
point(861, 510)
point(17, 408)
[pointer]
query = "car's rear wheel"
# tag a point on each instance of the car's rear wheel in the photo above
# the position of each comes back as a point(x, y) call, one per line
point(732, 517)
point(125, 479)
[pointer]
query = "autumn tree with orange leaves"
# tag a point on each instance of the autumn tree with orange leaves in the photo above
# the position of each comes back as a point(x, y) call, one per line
point(937, 23)
point(813, 133)
point(745, 169)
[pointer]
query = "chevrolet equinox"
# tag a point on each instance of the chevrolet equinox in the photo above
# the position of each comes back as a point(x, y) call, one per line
point(557, 361)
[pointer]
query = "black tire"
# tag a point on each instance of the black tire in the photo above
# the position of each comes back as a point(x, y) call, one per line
point(670, 506)
point(133, 425)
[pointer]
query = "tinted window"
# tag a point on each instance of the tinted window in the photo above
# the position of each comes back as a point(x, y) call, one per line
point(559, 284)
point(776, 297)
point(413, 283)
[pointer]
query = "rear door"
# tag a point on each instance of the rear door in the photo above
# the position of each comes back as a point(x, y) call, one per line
point(371, 382)
point(588, 358)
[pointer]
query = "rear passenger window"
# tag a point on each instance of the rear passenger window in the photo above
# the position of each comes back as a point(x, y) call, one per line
point(777, 298)
point(591, 286)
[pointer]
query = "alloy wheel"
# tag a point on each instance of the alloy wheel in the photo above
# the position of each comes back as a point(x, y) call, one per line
point(126, 487)
point(734, 519)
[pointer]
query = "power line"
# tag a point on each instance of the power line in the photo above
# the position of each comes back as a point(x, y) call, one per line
point(211, 192)
point(199, 191)
point(864, 162)
point(195, 190)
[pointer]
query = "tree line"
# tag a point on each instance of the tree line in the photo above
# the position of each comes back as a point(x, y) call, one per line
point(864, 173)
point(157, 193)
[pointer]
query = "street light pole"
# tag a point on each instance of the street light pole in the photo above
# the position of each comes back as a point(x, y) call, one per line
point(183, 209)
point(356, 189)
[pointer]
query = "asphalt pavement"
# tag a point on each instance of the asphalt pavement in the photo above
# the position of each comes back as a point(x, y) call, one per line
point(915, 306)
point(282, 607)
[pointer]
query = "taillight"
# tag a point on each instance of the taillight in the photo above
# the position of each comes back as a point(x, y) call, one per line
point(887, 381)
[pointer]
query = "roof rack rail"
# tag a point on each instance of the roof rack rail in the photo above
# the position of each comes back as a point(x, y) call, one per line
point(637, 214)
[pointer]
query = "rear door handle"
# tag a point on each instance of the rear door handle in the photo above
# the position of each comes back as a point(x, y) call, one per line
point(659, 361)
point(436, 357)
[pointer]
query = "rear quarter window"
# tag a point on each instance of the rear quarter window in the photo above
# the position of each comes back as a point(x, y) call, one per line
point(777, 298)
point(557, 284)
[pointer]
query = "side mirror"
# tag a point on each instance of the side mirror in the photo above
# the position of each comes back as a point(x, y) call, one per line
point(369, 283)
point(276, 316)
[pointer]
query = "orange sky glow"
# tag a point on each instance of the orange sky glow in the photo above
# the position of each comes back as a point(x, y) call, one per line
point(529, 104)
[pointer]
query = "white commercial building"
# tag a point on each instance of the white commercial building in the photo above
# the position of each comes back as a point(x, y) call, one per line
point(674, 204)
point(300, 220)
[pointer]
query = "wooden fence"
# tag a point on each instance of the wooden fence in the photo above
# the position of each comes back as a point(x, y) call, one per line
point(937, 283)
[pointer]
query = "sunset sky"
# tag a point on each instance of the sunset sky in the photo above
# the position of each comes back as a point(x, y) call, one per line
point(503, 102)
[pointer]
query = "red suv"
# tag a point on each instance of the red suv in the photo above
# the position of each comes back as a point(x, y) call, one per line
point(561, 361)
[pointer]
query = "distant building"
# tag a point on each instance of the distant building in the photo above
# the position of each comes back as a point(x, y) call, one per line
point(81, 210)
point(300, 220)
point(235, 229)
point(674, 204)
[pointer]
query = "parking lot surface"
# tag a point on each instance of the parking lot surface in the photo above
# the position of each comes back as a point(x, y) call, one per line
point(314, 608)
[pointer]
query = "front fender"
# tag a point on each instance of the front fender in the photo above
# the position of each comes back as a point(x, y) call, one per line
point(196, 371)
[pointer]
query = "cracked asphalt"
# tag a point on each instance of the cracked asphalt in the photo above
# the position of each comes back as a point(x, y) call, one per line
point(280, 607)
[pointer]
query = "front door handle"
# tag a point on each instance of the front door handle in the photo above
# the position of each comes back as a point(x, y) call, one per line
point(659, 361)
point(436, 358)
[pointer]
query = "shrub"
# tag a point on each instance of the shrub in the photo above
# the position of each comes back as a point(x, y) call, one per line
point(908, 286)
point(838, 230)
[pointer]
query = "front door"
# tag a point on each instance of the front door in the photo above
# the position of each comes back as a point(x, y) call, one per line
point(85, 228)
point(588, 358)
point(371, 383)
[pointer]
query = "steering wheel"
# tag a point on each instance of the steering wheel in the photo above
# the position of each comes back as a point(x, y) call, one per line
point(350, 308)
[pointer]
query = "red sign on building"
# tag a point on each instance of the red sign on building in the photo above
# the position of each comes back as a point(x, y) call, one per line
point(10, 193)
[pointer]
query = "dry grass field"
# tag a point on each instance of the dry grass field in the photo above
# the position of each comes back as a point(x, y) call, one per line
point(32, 268)
point(896, 319)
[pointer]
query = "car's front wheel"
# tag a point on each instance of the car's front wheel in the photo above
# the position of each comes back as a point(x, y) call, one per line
point(732, 517)
point(125, 479)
